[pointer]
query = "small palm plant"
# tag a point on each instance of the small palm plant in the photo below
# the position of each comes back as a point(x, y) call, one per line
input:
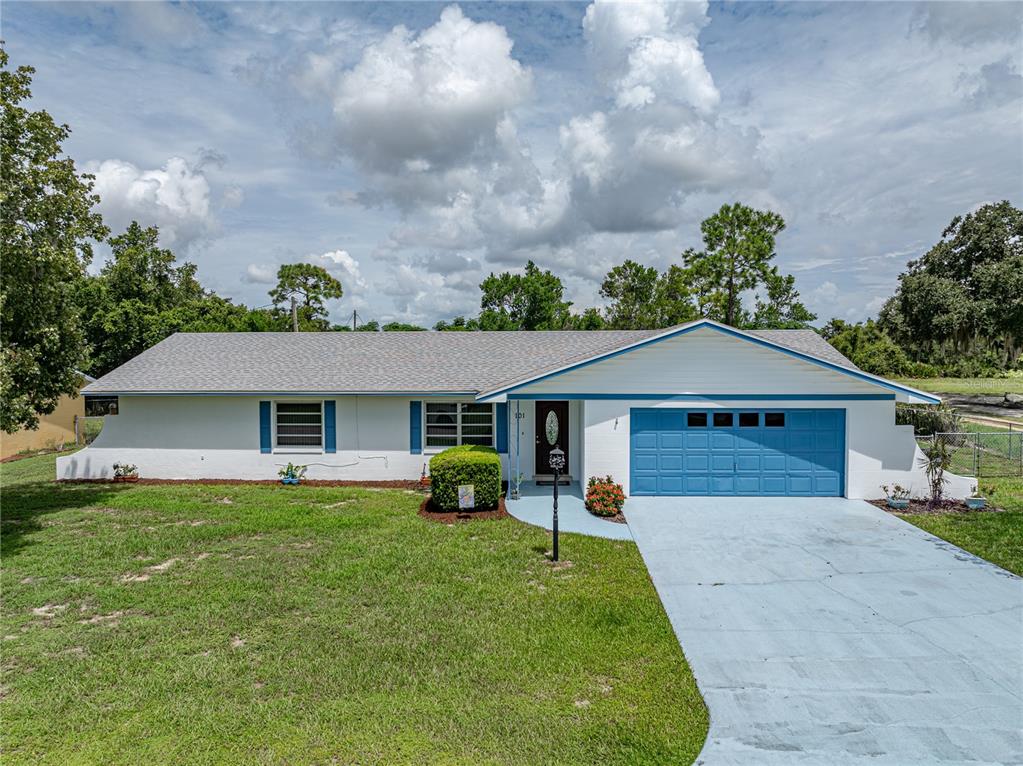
point(934, 461)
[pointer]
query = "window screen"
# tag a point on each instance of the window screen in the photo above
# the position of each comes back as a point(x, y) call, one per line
point(299, 424)
point(449, 424)
point(696, 419)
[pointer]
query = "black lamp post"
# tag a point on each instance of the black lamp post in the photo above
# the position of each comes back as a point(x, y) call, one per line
point(557, 462)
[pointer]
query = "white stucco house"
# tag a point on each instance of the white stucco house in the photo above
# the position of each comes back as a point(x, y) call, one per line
point(699, 409)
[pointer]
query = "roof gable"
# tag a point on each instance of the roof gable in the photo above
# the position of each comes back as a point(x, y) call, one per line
point(819, 358)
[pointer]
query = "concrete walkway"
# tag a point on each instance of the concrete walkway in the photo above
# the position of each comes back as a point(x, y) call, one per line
point(535, 507)
point(826, 631)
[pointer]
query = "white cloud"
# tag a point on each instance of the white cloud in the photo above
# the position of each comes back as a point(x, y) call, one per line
point(648, 52)
point(824, 294)
point(422, 104)
point(260, 274)
point(176, 198)
point(971, 23)
point(343, 267)
point(996, 83)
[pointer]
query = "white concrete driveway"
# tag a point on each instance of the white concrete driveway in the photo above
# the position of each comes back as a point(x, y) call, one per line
point(826, 631)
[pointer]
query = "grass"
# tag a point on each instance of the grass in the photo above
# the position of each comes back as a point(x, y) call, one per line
point(262, 624)
point(985, 386)
point(995, 536)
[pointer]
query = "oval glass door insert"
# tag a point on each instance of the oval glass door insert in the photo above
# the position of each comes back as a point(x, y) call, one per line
point(552, 428)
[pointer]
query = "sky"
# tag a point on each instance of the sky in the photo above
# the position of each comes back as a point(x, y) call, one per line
point(413, 148)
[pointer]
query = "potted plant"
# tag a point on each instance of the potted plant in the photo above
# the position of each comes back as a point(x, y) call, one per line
point(897, 495)
point(975, 501)
point(126, 472)
point(292, 474)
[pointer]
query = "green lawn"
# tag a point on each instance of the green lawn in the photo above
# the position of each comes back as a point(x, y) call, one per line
point(987, 386)
point(997, 537)
point(258, 624)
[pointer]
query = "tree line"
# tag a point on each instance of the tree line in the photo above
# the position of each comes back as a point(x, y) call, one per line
point(713, 282)
point(958, 309)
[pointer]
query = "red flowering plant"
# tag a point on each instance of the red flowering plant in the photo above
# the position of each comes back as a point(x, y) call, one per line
point(604, 496)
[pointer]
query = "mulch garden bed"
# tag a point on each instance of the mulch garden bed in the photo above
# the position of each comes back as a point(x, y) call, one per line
point(427, 511)
point(946, 506)
point(618, 518)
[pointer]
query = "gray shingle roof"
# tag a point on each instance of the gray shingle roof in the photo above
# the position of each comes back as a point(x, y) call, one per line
point(412, 362)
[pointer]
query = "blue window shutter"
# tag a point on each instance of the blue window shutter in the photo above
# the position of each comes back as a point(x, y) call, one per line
point(330, 426)
point(264, 427)
point(415, 427)
point(502, 426)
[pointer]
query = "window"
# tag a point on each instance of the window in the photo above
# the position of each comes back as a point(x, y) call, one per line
point(749, 419)
point(100, 405)
point(449, 424)
point(299, 424)
point(696, 419)
point(774, 419)
point(722, 419)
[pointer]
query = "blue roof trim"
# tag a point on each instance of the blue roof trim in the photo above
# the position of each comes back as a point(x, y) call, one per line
point(700, 324)
point(711, 397)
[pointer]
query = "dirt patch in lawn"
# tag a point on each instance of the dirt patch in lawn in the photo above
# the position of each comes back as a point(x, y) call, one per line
point(428, 511)
point(945, 506)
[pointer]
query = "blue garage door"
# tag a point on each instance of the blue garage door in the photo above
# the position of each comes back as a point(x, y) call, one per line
point(738, 452)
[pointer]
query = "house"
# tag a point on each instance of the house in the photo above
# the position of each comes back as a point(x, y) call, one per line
point(699, 409)
point(55, 429)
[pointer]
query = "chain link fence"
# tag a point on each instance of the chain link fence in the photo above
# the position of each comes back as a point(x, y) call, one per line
point(87, 428)
point(982, 454)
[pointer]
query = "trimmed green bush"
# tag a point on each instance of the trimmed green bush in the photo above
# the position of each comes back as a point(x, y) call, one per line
point(468, 464)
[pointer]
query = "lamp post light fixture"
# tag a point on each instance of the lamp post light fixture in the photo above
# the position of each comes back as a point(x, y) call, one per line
point(557, 461)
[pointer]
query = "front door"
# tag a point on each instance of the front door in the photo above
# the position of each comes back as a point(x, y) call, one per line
point(542, 466)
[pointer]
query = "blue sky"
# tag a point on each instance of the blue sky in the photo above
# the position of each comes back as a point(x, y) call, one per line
point(413, 148)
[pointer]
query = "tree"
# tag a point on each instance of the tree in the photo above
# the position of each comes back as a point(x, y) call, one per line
point(458, 324)
point(739, 246)
point(782, 310)
point(643, 299)
point(631, 289)
point(313, 284)
point(590, 319)
point(402, 327)
point(675, 298)
point(964, 297)
point(141, 296)
point(141, 269)
point(529, 301)
point(868, 347)
point(46, 228)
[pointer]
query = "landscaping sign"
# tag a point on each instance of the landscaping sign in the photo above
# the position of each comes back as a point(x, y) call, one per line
point(466, 496)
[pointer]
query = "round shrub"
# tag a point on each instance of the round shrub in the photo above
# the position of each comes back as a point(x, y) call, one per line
point(468, 464)
point(604, 497)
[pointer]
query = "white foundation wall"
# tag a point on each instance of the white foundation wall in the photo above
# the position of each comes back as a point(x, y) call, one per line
point(217, 437)
point(877, 451)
